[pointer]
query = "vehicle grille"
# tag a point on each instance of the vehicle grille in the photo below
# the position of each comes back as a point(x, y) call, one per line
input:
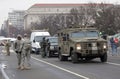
point(87, 45)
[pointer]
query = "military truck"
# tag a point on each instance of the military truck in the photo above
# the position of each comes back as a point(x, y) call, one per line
point(81, 43)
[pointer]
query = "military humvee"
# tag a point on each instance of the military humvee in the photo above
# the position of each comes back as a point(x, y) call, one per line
point(81, 43)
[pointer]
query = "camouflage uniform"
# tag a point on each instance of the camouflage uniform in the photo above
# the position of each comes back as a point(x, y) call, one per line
point(7, 46)
point(47, 46)
point(43, 47)
point(26, 51)
point(18, 48)
point(26, 55)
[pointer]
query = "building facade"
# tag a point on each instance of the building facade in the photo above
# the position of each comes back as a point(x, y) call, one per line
point(38, 11)
point(16, 18)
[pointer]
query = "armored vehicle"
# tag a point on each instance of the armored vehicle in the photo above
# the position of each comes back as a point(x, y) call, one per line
point(81, 43)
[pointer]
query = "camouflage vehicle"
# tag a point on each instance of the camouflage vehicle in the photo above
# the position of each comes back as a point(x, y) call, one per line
point(81, 43)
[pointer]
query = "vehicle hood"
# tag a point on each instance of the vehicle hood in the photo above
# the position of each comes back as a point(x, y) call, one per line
point(87, 39)
point(36, 45)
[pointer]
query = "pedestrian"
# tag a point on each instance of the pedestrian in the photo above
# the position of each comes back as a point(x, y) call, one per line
point(113, 46)
point(47, 47)
point(43, 47)
point(26, 53)
point(7, 47)
point(18, 49)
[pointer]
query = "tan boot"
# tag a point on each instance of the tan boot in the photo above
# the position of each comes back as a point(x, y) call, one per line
point(22, 67)
point(18, 67)
point(28, 68)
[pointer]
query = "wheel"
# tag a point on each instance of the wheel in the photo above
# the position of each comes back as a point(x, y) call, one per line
point(61, 57)
point(74, 57)
point(104, 58)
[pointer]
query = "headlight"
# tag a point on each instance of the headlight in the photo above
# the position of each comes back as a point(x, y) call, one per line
point(78, 46)
point(104, 46)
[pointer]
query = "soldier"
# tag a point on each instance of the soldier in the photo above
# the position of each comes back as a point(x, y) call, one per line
point(47, 46)
point(7, 46)
point(18, 49)
point(43, 47)
point(26, 55)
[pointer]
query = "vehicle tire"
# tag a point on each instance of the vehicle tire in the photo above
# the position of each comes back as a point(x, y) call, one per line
point(103, 58)
point(74, 57)
point(61, 57)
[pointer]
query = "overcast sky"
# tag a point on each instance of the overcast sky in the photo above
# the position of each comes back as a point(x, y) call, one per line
point(9, 5)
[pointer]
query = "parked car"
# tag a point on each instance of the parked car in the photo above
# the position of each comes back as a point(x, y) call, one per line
point(53, 46)
point(35, 38)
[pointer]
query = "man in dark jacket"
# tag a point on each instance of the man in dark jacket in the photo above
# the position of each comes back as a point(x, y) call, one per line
point(113, 46)
point(43, 47)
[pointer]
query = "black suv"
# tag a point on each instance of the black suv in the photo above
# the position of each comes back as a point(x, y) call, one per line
point(53, 46)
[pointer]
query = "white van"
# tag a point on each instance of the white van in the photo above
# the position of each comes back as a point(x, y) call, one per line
point(36, 37)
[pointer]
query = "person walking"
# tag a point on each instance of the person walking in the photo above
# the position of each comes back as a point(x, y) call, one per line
point(18, 49)
point(47, 48)
point(26, 53)
point(113, 46)
point(43, 48)
point(7, 47)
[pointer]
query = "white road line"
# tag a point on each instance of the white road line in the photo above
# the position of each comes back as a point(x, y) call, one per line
point(113, 63)
point(3, 72)
point(61, 68)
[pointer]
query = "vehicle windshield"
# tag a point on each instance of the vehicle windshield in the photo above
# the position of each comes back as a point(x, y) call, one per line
point(38, 38)
point(53, 40)
point(83, 34)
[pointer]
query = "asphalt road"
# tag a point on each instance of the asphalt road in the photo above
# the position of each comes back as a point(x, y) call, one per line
point(52, 68)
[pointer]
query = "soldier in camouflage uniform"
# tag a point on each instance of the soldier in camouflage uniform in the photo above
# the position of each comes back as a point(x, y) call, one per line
point(7, 46)
point(47, 47)
point(26, 52)
point(18, 48)
point(43, 48)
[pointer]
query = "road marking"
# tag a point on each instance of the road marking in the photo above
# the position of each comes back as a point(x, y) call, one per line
point(61, 68)
point(113, 63)
point(2, 66)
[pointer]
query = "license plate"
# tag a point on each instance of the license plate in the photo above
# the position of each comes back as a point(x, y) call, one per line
point(94, 48)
